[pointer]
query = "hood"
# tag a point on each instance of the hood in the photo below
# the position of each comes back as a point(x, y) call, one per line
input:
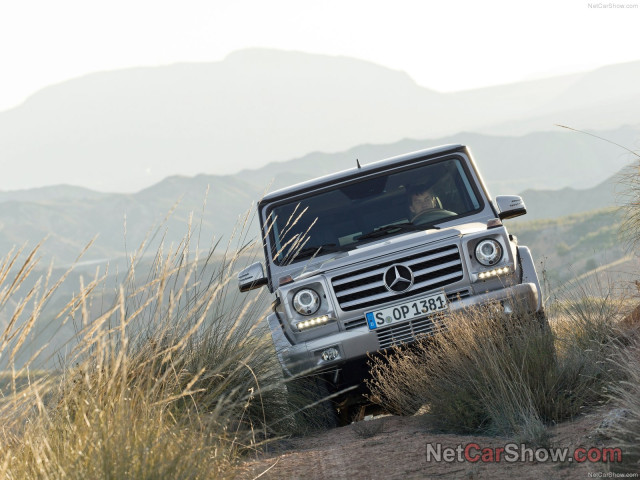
point(384, 246)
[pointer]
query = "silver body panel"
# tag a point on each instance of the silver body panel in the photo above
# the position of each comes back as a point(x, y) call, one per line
point(352, 284)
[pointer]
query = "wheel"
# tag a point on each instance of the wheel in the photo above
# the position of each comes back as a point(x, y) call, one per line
point(541, 316)
point(432, 215)
point(311, 409)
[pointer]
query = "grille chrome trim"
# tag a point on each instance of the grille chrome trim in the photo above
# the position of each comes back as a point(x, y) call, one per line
point(364, 288)
point(359, 289)
point(424, 271)
point(408, 331)
point(459, 295)
point(382, 296)
point(372, 271)
point(358, 322)
point(359, 277)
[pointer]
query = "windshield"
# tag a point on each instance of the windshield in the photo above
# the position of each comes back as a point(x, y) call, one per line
point(388, 204)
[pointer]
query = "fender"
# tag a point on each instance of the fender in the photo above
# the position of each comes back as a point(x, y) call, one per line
point(280, 341)
point(528, 270)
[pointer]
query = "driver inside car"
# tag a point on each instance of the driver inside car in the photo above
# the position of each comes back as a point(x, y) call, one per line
point(421, 200)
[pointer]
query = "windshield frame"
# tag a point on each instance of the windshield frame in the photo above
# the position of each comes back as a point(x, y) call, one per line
point(472, 181)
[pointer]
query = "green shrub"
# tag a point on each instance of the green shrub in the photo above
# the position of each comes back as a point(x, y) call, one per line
point(562, 249)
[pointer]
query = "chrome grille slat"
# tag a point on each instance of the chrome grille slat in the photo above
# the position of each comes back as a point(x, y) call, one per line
point(389, 295)
point(439, 267)
point(378, 271)
point(431, 269)
point(369, 286)
point(406, 332)
point(412, 260)
point(396, 339)
point(459, 295)
point(434, 256)
point(358, 322)
point(420, 323)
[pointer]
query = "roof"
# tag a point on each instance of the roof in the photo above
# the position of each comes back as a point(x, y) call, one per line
point(357, 172)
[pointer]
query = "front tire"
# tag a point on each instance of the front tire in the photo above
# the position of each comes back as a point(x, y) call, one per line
point(308, 401)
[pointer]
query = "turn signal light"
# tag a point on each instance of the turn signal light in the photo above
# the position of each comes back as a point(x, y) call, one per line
point(494, 273)
point(313, 322)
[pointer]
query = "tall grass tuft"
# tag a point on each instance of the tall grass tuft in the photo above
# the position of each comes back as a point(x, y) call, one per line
point(626, 395)
point(488, 372)
point(481, 373)
point(588, 336)
point(175, 378)
point(629, 197)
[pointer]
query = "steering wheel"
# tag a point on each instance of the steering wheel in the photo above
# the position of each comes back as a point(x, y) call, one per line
point(431, 215)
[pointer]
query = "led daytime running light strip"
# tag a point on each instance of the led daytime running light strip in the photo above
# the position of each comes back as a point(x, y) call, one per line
point(314, 322)
point(494, 273)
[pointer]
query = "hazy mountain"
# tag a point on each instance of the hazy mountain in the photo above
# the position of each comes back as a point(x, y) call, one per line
point(604, 98)
point(570, 246)
point(125, 130)
point(56, 192)
point(540, 165)
point(540, 160)
point(546, 204)
point(209, 207)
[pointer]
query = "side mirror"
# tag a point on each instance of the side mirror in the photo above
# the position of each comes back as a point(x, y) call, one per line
point(510, 206)
point(252, 277)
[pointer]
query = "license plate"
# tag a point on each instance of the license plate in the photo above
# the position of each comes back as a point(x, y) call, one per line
point(407, 311)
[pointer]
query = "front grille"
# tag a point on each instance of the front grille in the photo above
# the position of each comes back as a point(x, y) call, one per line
point(459, 295)
point(358, 322)
point(408, 331)
point(365, 287)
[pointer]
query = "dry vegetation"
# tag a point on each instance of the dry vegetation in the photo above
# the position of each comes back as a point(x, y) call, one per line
point(175, 379)
point(178, 379)
point(487, 373)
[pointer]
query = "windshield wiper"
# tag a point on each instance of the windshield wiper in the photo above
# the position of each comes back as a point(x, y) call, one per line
point(314, 250)
point(393, 229)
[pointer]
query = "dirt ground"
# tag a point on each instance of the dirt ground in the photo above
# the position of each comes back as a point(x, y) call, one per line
point(396, 448)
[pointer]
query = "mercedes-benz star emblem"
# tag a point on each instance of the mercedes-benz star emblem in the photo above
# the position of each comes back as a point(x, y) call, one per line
point(398, 278)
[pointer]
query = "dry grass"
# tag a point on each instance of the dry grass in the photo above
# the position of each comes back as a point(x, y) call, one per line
point(175, 379)
point(629, 197)
point(509, 375)
point(480, 374)
point(368, 428)
point(626, 395)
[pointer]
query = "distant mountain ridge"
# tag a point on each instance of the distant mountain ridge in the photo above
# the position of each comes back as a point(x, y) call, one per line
point(539, 160)
point(128, 129)
point(549, 204)
point(539, 165)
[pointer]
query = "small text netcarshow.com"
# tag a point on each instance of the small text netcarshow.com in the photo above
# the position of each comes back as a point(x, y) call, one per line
point(514, 452)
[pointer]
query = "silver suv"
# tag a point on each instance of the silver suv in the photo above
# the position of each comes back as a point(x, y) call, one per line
point(377, 256)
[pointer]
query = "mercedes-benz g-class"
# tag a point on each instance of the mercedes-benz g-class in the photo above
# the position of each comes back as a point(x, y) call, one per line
point(375, 256)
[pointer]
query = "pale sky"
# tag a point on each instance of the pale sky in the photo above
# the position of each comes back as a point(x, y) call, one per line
point(443, 45)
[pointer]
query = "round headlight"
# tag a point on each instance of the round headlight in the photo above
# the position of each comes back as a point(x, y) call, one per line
point(306, 302)
point(488, 252)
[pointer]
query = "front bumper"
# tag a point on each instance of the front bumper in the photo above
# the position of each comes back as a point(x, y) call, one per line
point(356, 344)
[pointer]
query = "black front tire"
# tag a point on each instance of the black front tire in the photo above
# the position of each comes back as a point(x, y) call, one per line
point(310, 406)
